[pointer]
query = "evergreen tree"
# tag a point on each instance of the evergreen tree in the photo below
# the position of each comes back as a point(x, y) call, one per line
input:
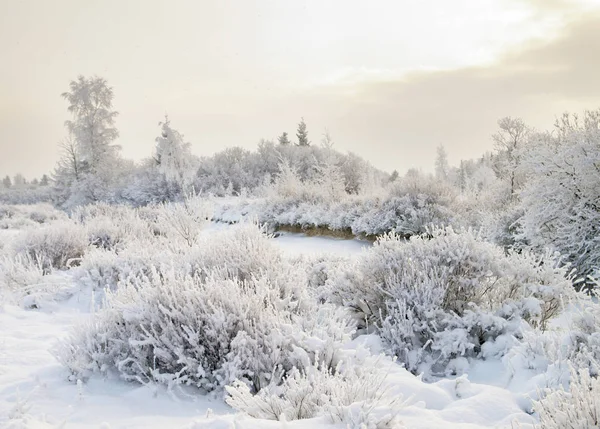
point(302, 134)
point(19, 180)
point(283, 139)
point(7, 182)
point(45, 180)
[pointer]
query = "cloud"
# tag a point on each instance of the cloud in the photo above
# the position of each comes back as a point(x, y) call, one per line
point(410, 116)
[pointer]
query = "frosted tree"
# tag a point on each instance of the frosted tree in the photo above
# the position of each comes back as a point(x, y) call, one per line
point(7, 182)
point(173, 157)
point(283, 139)
point(509, 142)
point(90, 168)
point(19, 180)
point(92, 127)
point(302, 134)
point(441, 163)
point(561, 199)
point(327, 141)
point(330, 179)
point(45, 180)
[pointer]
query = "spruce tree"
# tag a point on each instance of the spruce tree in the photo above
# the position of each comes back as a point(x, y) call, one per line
point(302, 134)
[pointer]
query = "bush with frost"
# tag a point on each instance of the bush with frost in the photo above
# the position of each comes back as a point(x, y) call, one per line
point(575, 342)
point(178, 329)
point(24, 216)
point(232, 309)
point(353, 393)
point(409, 207)
point(183, 221)
point(57, 245)
point(439, 298)
point(577, 407)
point(25, 282)
point(112, 227)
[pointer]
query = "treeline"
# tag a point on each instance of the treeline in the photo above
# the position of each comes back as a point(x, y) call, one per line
point(536, 190)
point(91, 168)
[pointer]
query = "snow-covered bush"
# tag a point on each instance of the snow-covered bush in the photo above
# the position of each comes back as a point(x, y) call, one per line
point(353, 394)
point(57, 245)
point(25, 282)
point(448, 295)
point(184, 220)
point(242, 251)
point(236, 311)
point(100, 269)
point(23, 216)
point(575, 408)
point(551, 353)
point(408, 206)
point(112, 227)
point(178, 329)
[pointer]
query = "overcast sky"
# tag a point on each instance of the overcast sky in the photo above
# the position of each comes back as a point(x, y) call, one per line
point(391, 80)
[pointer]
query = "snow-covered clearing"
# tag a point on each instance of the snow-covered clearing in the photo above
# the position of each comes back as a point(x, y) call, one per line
point(35, 391)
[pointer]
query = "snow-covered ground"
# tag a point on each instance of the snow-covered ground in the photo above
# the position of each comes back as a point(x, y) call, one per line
point(35, 391)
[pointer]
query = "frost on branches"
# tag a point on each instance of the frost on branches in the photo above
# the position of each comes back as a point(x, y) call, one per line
point(437, 300)
point(211, 325)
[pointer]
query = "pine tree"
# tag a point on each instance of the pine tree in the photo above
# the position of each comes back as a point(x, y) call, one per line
point(283, 139)
point(302, 134)
point(7, 182)
point(19, 180)
point(45, 180)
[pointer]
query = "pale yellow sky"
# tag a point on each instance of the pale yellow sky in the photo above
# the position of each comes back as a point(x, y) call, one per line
point(391, 80)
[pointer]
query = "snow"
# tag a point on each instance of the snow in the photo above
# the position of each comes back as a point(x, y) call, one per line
point(35, 392)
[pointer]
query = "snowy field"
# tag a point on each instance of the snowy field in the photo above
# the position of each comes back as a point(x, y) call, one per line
point(35, 391)
point(83, 297)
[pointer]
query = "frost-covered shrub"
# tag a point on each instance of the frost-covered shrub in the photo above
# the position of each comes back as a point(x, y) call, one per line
point(408, 207)
point(178, 329)
point(550, 353)
point(112, 227)
point(448, 295)
point(353, 394)
point(184, 220)
point(24, 216)
point(101, 269)
point(575, 408)
point(240, 252)
point(320, 268)
point(25, 282)
point(231, 309)
point(57, 245)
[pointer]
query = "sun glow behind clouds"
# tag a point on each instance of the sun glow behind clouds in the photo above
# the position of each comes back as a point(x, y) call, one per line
point(230, 73)
point(389, 40)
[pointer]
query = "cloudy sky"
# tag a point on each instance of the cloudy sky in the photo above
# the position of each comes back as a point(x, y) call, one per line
point(390, 80)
